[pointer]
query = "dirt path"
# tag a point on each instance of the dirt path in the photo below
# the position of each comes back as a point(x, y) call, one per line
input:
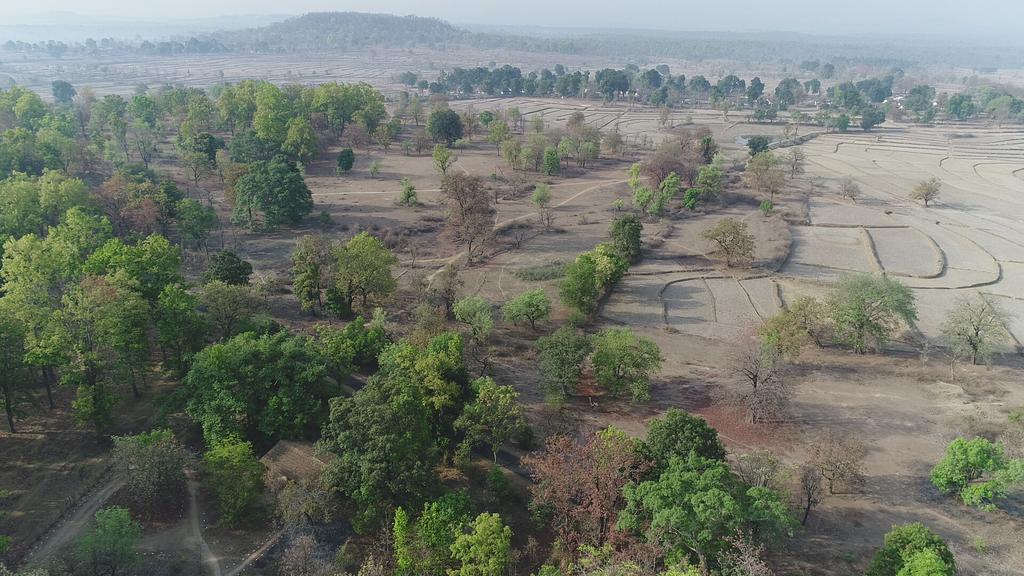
point(258, 553)
point(206, 557)
point(52, 546)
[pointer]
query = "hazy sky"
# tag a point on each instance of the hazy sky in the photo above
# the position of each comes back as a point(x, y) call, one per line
point(971, 18)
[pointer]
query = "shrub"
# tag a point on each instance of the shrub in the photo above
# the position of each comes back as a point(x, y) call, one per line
point(346, 158)
point(532, 305)
point(541, 272)
point(109, 547)
point(229, 268)
point(903, 543)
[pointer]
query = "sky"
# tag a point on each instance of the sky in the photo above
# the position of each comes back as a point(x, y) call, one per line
point(976, 18)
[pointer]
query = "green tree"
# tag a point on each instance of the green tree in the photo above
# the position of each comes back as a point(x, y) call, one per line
point(867, 310)
point(181, 328)
point(270, 194)
point(709, 181)
point(408, 195)
point(101, 329)
point(512, 153)
point(758, 144)
point(150, 264)
point(679, 434)
point(532, 305)
point(15, 375)
point(227, 306)
point(960, 106)
point(259, 388)
point(363, 270)
point(485, 550)
point(270, 119)
point(300, 142)
point(625, 234)
point(581, 288)
point(195, 222)
point(561, 362)
point(977, 471)
point(926, 563)
point(441, 522)
point(63, 92)
point(346, 158)
point(552, 163)
point(385, 446)
point(541, 198)
point(153, 465)
point(784, 335)
point(312, 270)
point(444, 126)
point(692, 508)
point(229, 268)
point(236, 477)
point(476, 313)
point(622, 360)
point(498, 133)
point(443, 159)
point(492, 418)
point(904, 542)
point(198, 151)
point(357, 346)
point(871, 116)
point(109, 547)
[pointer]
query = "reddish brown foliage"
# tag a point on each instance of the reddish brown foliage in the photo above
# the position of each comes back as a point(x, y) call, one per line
point(581, 483)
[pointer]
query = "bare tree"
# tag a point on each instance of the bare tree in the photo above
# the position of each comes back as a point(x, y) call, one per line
point(974, 329)
point(809, 489)
point(745, 556)
point(795, 161)
point(761, 469)
point(766, 174)
point(470, 213)
point(926, 191)
point(849, 190)
point(840, 460)
point(303, 558)
point(447, 290)
point(765, 393)
point(732, 239)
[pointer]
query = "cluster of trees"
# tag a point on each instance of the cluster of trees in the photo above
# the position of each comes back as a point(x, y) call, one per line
point(592, 275)
point(332, 277)
point(253, 135)
point(545, 150)
point(420, 409)
point(110, 45)
point(687, 167)
point(669, 500)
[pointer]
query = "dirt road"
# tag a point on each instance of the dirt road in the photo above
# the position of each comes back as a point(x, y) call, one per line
point(52, 546)
point(211, 566)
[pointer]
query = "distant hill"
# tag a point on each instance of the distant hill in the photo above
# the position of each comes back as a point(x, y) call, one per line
point(340, 30)
point(332, 30)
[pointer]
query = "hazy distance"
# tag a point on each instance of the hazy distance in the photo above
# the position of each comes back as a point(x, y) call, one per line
point(981, 18)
